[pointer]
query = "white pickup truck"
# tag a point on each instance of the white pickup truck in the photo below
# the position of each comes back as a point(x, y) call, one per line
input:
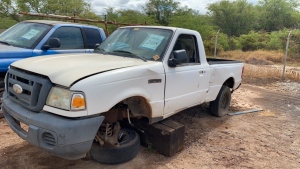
point(70, 101)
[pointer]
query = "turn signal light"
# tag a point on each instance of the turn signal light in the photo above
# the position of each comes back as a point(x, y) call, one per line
point(78, 102)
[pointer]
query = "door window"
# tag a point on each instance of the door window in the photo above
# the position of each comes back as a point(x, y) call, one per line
point(70, 38)
point(189, 44)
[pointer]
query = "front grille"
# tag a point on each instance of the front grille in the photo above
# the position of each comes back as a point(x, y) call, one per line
point(34, 92)
point(49, 139)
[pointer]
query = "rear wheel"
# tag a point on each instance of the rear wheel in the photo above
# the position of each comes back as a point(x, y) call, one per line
point(1, 93)
point(129, 142)
point(220, 106)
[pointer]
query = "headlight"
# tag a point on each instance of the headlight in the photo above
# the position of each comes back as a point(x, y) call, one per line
point(66, 99)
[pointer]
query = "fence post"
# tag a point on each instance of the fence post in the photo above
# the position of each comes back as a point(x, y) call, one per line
point(106, 28)
point(216, 43)
point(286, 53)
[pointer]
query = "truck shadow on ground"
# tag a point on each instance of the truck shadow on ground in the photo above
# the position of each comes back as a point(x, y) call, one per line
point(198, 122)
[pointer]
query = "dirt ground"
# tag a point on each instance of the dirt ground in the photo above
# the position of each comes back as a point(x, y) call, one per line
point(266, 139)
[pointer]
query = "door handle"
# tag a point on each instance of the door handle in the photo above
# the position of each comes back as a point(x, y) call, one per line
point(202, 72)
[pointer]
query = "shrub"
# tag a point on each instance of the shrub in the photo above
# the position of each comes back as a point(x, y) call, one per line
point(294, 50)
point(223, 42)
point(254, 41)
point(277, 40)
point(6, 22)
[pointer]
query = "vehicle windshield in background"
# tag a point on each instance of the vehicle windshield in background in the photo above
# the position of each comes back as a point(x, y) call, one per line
point(24, 34)
point(143, 43)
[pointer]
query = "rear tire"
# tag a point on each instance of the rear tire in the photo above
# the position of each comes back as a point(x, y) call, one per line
point(127, 150)
point(1, 93)
point(220, 106)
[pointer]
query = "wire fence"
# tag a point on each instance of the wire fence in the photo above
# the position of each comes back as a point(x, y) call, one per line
point(283, 68)
point(271, 71)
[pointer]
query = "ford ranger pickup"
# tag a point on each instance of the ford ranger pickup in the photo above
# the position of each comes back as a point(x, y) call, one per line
point(73, 104)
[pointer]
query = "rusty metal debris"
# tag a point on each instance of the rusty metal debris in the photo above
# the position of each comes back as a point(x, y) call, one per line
point(76, 19)
point(98, 139)
point(107, 135)
point(244, 112)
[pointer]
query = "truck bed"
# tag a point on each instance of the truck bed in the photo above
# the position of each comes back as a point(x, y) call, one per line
point(212, 61)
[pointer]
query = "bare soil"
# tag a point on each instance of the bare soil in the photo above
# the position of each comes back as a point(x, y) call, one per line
point(266, 139)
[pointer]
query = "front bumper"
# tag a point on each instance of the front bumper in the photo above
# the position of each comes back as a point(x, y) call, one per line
point(60, 136)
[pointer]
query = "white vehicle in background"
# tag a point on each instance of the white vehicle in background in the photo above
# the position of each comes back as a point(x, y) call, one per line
point(71, 101)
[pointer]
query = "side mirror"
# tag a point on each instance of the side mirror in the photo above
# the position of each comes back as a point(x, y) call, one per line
point(52, 43)
point(180, 56)
point(96, 46)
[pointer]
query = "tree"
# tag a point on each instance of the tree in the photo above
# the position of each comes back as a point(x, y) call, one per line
point(8, 10)
point(126, 16)
point(59, 7)
point(32, 5)
point(134, 17)
point(161, 10)
point(233, 18)
point(190, 19)
point(8, 16)
point(67, 7)
point(278, 14)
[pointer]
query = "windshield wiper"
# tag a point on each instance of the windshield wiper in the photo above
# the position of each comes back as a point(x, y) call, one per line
point(137, 56)
point(6, 43)
point(100, 50)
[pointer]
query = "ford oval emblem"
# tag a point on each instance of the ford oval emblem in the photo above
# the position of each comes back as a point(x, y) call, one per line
point(17, 88)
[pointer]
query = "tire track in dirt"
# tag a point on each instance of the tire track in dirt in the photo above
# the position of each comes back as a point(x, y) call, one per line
point(276, 101)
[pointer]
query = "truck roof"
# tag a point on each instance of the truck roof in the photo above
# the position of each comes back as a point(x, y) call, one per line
point(159, 27)
point(52, 22)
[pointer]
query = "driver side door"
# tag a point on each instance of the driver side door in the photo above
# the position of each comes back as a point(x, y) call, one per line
point(187, 83)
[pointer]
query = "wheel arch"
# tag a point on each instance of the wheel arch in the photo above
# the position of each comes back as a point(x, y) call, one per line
point(229, 82)
point(139, 106)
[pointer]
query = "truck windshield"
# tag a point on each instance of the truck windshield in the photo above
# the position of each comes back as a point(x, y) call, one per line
point(24, 34)
point(139, 42)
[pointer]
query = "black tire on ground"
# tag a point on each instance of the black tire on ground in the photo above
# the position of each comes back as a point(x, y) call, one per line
point(127, 150)
point(220, 106)
point(1, 86)
point(1, 82)
point(1, 93)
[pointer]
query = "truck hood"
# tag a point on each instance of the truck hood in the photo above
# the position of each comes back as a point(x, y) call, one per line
point(14, 52)
point(65, 69)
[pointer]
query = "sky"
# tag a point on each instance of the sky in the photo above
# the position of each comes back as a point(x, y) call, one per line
point(99, 7)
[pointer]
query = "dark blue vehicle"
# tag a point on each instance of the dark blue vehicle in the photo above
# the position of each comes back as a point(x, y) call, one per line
point(42, 37)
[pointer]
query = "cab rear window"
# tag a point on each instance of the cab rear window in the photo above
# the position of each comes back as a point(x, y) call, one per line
point(93, 37)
